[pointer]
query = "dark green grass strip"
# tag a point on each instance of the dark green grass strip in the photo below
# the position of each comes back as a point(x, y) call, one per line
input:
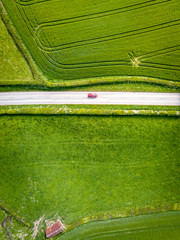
point(95, 81)
point(125, 87)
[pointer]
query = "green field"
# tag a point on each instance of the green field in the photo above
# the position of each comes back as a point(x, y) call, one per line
point(96, 165)
point(88, 167)
point(161, 226)
point(13, 66)
point(72, 40)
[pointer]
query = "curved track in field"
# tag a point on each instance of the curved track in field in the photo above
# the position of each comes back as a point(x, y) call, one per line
point(100, 38)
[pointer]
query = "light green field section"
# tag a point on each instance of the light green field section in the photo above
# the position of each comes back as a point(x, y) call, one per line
point(72, 40)
point(77, 167)
point(12, 64)
point(161, 226)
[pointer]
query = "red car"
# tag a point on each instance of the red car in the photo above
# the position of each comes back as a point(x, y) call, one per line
point(92, 95)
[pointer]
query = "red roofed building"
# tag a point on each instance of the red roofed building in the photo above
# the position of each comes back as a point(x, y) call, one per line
point(54, 229)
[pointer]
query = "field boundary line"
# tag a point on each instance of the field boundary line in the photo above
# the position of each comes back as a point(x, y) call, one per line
point(101, 216)
point(122, 214)
point(93, 81)
point(14, 214)
point(114, 79)
point(86, 112)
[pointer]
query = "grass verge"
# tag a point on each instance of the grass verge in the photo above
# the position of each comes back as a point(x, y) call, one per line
point(92, 111)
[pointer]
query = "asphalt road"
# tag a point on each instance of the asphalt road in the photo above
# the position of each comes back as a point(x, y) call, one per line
point(130, 98)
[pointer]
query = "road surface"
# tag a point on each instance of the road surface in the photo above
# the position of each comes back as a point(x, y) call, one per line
point(122, 98)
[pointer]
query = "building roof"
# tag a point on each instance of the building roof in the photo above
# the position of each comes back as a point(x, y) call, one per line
point(54, 229)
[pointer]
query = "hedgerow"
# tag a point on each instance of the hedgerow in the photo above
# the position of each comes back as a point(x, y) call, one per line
point(127, 213)
point(88, 112)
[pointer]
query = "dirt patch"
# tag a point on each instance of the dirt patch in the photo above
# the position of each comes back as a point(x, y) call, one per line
point(36, 226)
point(134, 60)
point(21, 235)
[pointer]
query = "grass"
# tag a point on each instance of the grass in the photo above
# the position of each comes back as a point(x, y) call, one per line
point(77, 167)
point(126, 87)
point(70, 41)
point(100, 111)
point(101, 107)
point(161, 226)
point(85, 168)
point(13, 66)
point(16, 229)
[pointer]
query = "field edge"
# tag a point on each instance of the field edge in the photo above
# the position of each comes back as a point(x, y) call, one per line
point(123, 214)
point(101, 216)
point(61, 110)
point(14, 214)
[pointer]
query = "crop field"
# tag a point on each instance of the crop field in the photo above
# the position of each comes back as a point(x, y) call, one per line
point(82, 167)
point(161, 226)
point(72, 40)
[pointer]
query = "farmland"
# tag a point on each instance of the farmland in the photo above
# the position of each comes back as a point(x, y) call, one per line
point(106, 171)
point(72, 40)
point(161, 226)
point(78, 167)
